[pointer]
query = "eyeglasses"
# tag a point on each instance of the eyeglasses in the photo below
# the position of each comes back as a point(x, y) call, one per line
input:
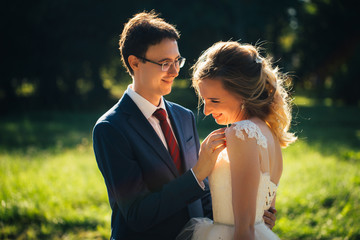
point(178, 63)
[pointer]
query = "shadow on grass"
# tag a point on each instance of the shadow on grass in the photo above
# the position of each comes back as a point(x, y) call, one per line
point(332, 130)
point(18, 224)
point(55, 130)
point(45, 130)
point(45, 230)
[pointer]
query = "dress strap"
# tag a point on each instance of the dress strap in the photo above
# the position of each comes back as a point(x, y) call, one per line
point(252, 130)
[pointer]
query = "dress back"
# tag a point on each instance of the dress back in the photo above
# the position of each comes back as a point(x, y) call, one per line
point(220, 180)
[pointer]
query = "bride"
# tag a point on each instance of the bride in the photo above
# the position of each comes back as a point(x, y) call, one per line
point(239, 87)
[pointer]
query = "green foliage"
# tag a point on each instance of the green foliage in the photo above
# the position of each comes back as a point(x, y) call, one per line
point(64, 54)
point(327, 49)
point(183, 94)
point(51, 187)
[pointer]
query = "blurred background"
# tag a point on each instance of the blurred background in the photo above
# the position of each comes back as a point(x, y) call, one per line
point(64, 54)
point(61, 69)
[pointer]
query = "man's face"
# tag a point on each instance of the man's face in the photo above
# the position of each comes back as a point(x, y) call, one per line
point(149, 79)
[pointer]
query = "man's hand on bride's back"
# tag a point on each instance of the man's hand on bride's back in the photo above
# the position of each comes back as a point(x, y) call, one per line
point(210, 148)
point(269, 217)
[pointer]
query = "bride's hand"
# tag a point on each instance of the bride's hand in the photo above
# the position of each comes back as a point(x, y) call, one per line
point(210, 148)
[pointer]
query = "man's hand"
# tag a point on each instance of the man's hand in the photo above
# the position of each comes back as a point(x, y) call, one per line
point(269, 217)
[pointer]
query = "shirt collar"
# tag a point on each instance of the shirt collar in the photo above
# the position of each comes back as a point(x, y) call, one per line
point(146, 107)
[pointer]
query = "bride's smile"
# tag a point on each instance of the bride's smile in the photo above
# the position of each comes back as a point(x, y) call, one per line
point(224, 107)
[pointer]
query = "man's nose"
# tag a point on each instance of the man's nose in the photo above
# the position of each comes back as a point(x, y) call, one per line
point(173, 71)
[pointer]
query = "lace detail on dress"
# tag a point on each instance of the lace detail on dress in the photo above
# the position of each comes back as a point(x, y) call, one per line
point(221, 193)
point(252, 130)
point(266, 193)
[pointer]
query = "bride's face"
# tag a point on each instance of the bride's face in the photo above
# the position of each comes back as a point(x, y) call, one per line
point(223, 105)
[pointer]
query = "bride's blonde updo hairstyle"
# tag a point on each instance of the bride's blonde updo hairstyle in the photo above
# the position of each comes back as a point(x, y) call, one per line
point(251, 77)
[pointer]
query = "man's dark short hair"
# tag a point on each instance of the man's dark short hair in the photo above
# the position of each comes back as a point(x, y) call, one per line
point(140, 32)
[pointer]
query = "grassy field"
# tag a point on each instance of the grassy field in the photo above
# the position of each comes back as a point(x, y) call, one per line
point(51, 187)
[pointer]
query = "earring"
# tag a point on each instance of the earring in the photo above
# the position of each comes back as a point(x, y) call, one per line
point(242, 107)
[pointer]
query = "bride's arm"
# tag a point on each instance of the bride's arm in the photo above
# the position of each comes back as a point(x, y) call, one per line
point(245, 177)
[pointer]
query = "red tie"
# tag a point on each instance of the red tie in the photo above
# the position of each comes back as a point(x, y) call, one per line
point(173, 148)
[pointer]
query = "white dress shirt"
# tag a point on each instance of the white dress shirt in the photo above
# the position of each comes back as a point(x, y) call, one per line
point(147, 108)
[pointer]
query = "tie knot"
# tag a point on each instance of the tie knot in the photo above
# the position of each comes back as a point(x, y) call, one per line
point(160, 114)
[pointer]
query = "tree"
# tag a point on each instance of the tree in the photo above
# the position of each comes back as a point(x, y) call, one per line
point(327, 45)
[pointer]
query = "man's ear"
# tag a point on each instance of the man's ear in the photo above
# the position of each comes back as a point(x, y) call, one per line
point(133, 62)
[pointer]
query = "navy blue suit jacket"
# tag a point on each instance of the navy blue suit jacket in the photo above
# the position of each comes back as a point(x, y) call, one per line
point(148, 196)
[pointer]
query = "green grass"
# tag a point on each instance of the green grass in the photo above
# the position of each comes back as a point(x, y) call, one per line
point(51, 187)
point(319, 194)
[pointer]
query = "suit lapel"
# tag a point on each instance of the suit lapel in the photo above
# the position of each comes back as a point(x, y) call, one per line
point(142, 126)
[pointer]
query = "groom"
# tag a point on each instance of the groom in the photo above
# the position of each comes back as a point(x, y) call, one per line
point(151, 196)
point(149, 157)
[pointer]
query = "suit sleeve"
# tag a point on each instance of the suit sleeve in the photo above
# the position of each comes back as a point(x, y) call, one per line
point(141, 208)
point(206, 199)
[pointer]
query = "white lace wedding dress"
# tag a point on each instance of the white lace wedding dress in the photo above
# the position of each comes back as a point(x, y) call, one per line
point(220, 185)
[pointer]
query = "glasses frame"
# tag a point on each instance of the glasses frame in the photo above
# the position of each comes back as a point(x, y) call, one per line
point(180, 60)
